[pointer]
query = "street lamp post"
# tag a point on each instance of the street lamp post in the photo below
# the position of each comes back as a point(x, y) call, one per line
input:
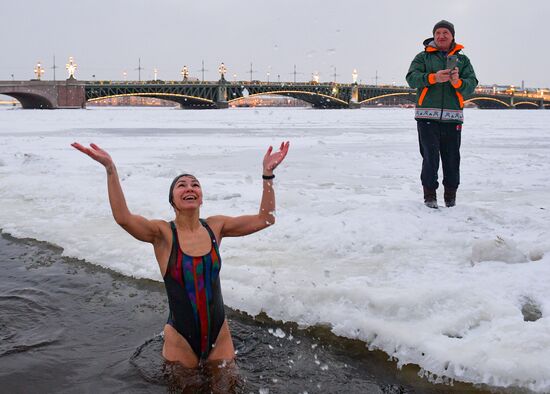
point(222, 70)
point(139, 68)
point(315, 77)
point(71, 67)
point(251, 71)
point(54, 67)
point(203, 70)
point(38, 71)
point(185, 73)
point(354, 76)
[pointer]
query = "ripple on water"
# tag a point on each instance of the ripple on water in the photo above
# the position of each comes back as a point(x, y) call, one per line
point(266, 360)
point(209, 378)
point(28, 321)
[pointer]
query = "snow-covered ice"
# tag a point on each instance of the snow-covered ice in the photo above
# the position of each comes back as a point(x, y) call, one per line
point(353, 247)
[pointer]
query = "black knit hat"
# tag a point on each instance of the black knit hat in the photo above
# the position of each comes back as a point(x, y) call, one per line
point(446, 24)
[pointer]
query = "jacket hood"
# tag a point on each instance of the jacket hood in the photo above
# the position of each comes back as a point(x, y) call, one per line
point(429, 42)
point(429, 46)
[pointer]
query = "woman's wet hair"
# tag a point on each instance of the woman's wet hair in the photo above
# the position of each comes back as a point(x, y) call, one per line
point(170, 197)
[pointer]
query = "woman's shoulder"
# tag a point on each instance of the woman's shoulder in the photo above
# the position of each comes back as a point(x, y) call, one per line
point(163, 227)
point(214, 218)
point(215, 221)
point(161, 223)
point(216, 224)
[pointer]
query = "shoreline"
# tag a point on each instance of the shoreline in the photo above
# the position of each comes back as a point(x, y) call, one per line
point(90, 321)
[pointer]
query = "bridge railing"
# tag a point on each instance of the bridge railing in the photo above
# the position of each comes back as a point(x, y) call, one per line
point(244, 83)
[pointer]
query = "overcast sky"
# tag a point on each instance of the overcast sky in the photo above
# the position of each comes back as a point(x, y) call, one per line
point(506, 40)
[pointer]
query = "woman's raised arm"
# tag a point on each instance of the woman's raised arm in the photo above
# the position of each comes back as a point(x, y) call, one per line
point(248, 224)
point(137, 226)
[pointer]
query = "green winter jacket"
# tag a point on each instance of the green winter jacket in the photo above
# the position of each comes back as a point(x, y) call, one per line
point(440, 101)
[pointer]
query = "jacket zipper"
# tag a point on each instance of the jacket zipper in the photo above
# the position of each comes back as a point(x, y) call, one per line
point(442, 97)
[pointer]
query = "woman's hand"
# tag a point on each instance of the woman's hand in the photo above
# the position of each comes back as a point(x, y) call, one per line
point(139, 227)
point(272, 160)
point(95, 153)
point(248, 224)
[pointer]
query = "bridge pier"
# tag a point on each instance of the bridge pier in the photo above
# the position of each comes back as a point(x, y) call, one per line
point(354, 98)
point(221, 96)
point(71, 94)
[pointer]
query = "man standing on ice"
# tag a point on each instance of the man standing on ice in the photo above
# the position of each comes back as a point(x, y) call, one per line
point(442, 76)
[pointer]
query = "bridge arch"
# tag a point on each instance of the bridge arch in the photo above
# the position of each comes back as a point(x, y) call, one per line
point(184, 100)
point(488, 102)
point(316, 99)
point(31, 100)
point(237, 100)
point(407, 95)
point(525, 104)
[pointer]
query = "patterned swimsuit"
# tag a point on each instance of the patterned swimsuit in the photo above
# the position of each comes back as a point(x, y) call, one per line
point(194, 294)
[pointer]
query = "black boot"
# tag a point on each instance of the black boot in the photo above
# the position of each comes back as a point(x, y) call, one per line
point(430, 198)
point(450, 196)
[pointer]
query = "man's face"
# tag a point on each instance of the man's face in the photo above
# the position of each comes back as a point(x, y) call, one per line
point(443, 38)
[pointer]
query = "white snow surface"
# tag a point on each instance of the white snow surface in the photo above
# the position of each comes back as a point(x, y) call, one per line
point(353, 247)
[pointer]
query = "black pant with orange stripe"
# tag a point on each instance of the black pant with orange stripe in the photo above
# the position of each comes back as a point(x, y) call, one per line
point(438, 139)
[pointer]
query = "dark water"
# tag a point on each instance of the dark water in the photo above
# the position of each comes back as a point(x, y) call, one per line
point(67, 326)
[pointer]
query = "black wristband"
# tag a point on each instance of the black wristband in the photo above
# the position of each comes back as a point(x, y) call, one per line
point(268, 177)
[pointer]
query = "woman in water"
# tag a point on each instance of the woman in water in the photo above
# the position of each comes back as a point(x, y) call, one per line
point(187, 252)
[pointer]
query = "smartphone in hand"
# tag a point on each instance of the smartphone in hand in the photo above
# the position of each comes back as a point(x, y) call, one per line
point(452, 62)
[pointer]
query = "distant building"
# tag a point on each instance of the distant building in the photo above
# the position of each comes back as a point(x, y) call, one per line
point(269, 101)
point(132, 101)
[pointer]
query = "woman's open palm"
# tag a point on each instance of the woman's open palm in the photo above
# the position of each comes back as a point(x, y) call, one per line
point(95, 152)
point(272, 160)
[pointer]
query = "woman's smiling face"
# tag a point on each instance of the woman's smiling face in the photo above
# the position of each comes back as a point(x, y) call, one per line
point(187, 193)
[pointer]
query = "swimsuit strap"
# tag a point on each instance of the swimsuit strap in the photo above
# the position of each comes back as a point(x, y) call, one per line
point(175, 246)
point(210, 232)
point(175, 241)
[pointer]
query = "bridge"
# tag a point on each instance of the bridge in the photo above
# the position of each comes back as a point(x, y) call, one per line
point(72, 93)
